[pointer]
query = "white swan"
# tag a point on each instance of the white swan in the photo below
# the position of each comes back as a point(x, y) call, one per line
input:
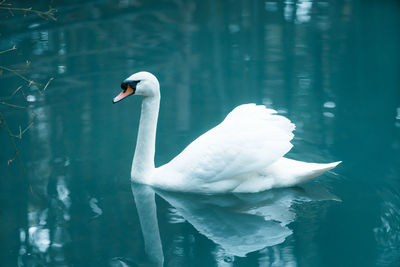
point(244, 153)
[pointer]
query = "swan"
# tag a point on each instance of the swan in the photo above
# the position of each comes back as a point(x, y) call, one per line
point(244, 153)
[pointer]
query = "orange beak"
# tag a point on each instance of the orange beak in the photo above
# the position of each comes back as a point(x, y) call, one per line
point(125, 93)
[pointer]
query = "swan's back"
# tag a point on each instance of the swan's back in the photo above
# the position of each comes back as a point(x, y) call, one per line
point(250, 138)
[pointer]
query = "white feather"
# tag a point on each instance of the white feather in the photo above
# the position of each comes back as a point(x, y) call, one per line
point(249, 139)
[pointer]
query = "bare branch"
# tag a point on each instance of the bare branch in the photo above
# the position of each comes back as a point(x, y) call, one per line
point(13, 93)
point(16, 90)
point(43, 14)
point(47, 14)
point(12, 105)
point(8, 50)
point(26, 128)
point(47, 84)
point(16, 155)
point(21, 132)
point(30, 82)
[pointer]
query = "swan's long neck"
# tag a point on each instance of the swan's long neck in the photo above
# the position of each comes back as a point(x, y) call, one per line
point(143, 160)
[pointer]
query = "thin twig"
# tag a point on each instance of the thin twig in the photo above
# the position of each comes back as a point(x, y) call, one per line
point(30, 82)
point(16, 90)
point(12, 105)
point(13, 93)
point(8, 50)
point(16, 155)
point(43, 14)
point(45, 87)
point(21, 132)
point(23, 94)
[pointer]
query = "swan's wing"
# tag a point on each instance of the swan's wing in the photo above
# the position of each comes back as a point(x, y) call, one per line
point(250, 138)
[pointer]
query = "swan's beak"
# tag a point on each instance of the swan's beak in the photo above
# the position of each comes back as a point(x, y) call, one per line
point(125, 93)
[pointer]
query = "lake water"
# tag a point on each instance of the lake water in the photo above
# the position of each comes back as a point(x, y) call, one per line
point(332, 67)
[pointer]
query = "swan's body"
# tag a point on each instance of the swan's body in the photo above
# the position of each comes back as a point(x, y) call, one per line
point(244, 153)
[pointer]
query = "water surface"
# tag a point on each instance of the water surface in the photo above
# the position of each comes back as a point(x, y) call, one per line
point(332, 67)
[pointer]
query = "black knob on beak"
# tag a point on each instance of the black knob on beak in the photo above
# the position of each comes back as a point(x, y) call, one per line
point(124, 86)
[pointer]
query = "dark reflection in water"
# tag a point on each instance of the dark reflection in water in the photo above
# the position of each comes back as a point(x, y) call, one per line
point(330, 66)
point(237, 224)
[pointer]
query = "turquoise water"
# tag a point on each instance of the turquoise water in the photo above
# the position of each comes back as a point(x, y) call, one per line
point(332, 67)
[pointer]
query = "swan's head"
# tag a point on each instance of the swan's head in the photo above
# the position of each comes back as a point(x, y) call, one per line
point(141, 83)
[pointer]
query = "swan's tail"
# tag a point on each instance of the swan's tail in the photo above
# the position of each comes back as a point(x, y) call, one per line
point(320, 168)
point(306, 171)
point(296, 172)
point(284, 173)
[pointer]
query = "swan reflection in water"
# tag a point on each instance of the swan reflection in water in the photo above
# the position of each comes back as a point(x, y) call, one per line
point(238, 223)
